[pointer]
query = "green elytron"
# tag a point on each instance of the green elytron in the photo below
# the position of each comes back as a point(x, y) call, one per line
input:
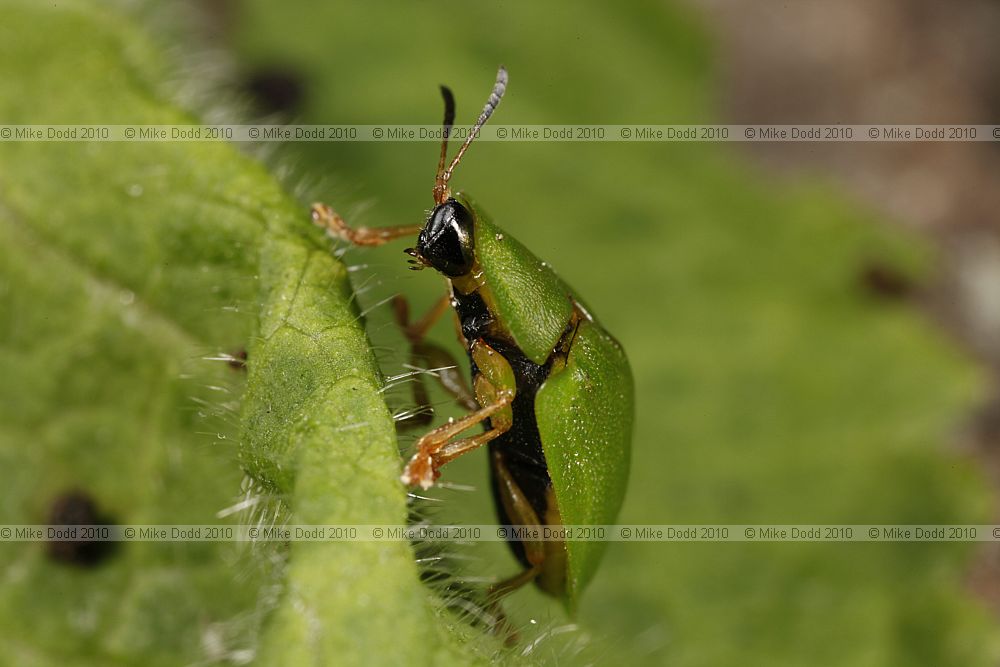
point(552, 388)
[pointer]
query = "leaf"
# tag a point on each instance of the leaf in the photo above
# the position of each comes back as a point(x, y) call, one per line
point(125, 268)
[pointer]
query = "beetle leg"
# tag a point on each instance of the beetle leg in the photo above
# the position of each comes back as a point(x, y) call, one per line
point(495, 386)
point(434, 450)
point(446, 369)
point(423, 468)
point(428, 355)
point(456, 448)
point(511, 584)
point(326, 217)
point(416, 331)
point(520, 513)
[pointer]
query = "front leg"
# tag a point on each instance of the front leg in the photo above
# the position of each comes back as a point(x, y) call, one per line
point(326, 217)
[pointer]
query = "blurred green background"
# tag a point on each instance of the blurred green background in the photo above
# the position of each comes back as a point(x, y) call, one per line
point(772, 386)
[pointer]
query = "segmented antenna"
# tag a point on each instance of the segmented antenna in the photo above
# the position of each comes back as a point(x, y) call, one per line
point(444, 175)
point(449, 120)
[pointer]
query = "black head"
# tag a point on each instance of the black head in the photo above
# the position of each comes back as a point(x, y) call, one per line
point(446, 241)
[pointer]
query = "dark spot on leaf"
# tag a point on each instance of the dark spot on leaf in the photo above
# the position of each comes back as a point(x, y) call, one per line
point(885, 282)
point(985, 424)
point(275, 90)
point(77, 508)
point(238, 360)
point(218, 17)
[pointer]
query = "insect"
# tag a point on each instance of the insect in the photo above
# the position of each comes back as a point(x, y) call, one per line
point(552, 389)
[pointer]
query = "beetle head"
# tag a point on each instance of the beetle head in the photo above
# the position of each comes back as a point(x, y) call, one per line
point(446, 242)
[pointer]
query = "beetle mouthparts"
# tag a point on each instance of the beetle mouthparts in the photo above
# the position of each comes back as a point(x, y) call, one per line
point(418, 263)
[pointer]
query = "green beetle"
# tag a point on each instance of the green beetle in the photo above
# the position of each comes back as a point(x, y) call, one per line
point(552, 388)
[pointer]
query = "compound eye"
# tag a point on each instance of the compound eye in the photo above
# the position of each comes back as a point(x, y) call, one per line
point(446, 241)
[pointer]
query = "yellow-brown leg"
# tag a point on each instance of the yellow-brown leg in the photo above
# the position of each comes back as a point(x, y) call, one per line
point(503, 588)
point(437, 448)
point(326, 217)
point(495, 386)
point(415, 331)
point(431, 356)
point(520, 513)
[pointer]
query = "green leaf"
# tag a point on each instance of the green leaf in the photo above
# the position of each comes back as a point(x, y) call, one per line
point(125, 269)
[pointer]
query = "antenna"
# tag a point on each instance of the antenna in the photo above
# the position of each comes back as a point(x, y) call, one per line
point(449, 120)
point(444, 175)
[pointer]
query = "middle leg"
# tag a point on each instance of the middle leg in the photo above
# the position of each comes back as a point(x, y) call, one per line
point(431, 357)
point(495, 387)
